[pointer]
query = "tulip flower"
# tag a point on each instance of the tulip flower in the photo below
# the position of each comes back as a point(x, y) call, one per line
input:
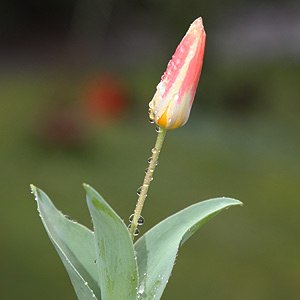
point(171, 105)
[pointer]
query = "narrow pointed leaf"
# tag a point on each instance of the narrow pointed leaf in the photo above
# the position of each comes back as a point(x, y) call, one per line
point(75, 245)
point(115, 254)
point(157, 249)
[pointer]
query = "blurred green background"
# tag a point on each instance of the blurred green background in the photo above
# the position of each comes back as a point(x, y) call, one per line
point(76, 78)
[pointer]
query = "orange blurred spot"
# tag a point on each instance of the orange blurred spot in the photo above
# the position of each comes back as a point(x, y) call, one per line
point(105, 98)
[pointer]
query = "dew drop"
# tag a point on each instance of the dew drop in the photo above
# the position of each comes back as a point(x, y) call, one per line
point(136, 231)
point(131, 218)
point(67, 217)
point(138, 191)
point(163, 88)
point(149, 160)
point(192, 52)
point(156, 163)
point(75, 221)
point(95, 261)
point(151, 121)
point(146, 170)
point(141, 220)
point(157, 129)
point(153, 150)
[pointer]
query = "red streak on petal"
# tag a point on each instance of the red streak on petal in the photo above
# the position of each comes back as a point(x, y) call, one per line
point(191, 79)
point(177, 62)
point(190, 82)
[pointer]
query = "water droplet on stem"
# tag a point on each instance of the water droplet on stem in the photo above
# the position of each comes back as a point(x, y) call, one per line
point(131, 218)
point(141, 220)
point(138, 191)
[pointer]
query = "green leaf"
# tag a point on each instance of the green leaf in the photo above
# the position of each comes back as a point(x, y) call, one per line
point(157, 249)
point(75, 245)
point(115, 253)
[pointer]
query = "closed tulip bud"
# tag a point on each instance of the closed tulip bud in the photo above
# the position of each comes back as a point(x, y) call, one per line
point(171, 105)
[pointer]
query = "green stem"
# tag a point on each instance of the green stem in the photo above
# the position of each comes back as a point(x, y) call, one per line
point(148, 177)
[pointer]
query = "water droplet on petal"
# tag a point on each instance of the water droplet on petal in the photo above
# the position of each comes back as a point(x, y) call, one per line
point(162, 87)
point(151, 121)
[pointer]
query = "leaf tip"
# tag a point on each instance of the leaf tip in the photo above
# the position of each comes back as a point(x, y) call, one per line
point(238, 202)
point(233, 201)
point(33, 190)
point(85, 186)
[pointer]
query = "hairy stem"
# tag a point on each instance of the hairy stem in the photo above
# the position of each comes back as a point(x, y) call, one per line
point(148, 177)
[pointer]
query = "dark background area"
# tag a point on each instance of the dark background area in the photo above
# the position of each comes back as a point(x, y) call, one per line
point(75, 81)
